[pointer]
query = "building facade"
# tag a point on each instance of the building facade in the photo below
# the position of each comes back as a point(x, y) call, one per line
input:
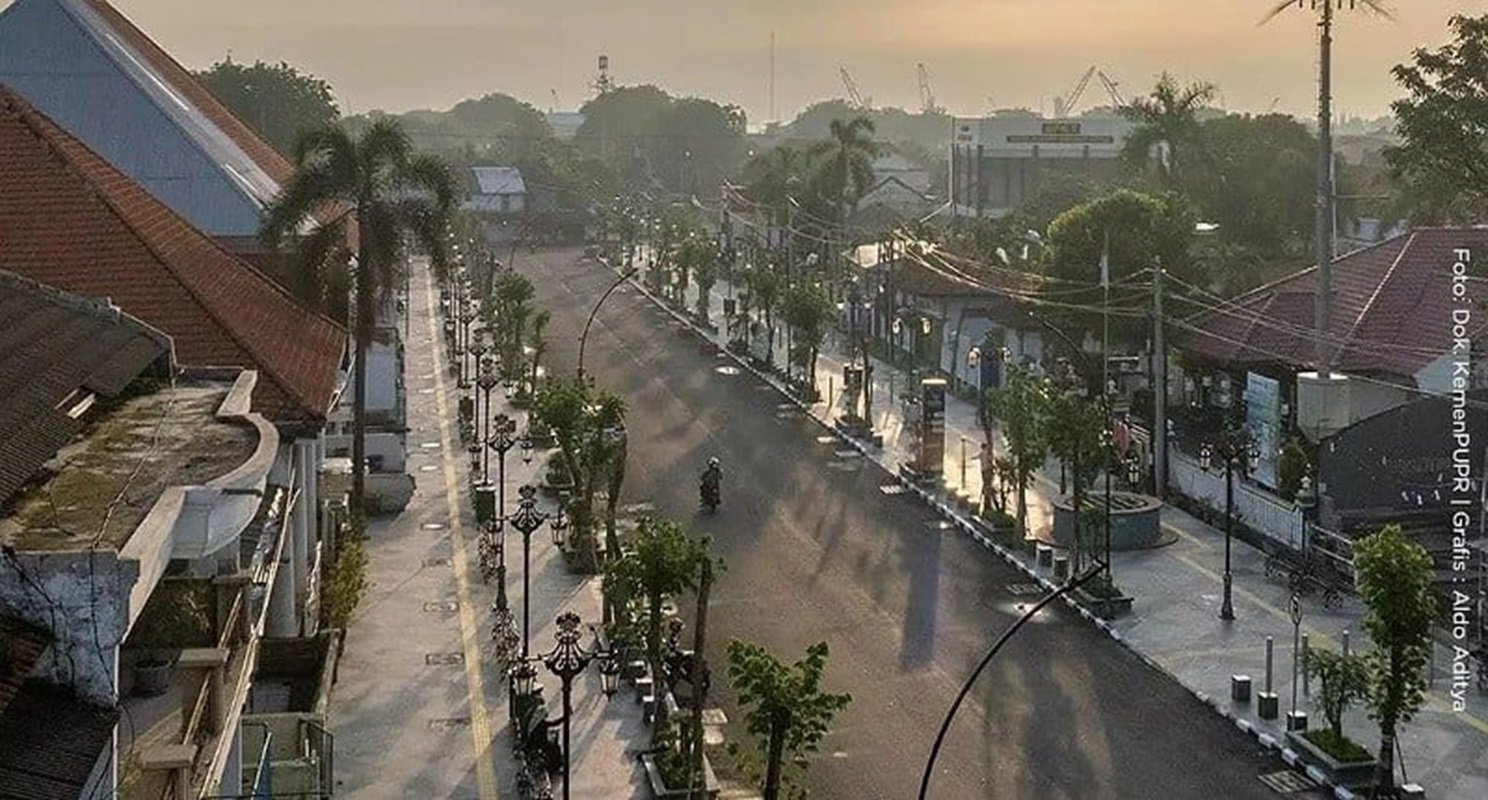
point(998, 162)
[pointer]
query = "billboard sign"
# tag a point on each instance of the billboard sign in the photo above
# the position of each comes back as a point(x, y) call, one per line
point(1263, 425)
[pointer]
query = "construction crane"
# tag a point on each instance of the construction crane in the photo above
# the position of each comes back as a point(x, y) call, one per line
point(852, 91)
point(927, 97)
point(1064, 105)
point(1111, 89)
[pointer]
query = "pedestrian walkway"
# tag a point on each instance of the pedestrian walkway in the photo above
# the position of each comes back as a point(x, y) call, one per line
point(1174, 623)
point(419, 709)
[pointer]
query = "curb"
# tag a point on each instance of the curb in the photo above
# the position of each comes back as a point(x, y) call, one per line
point(964, 523)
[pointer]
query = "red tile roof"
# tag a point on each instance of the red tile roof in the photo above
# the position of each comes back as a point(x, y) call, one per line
point(1391, 309)
point(70, 220)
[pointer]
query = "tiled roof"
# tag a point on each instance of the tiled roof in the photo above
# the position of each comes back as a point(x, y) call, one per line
point(55, 349)
point(70, 220)
point(26, 645)
point(50, 741)
point(1390, 312)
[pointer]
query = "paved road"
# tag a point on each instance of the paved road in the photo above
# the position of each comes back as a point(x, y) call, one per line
point(816, 551)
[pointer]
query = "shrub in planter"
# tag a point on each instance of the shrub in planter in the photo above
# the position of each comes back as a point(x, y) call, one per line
point(176, 616)
point(1343, 680)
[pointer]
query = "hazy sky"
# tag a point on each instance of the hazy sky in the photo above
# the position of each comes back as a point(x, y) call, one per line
point(403, 54)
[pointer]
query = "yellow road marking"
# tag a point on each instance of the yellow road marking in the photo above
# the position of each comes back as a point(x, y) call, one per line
point(480, 725)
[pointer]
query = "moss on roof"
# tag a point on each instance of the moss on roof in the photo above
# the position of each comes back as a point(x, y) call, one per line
point(101, 486)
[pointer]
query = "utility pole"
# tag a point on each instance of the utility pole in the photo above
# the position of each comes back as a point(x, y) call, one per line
point(1323, 223)
point(1160, 388)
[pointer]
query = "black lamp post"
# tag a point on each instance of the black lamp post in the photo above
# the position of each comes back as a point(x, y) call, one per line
point(487, 381)
point(1237, 454)
point(527, 520)
point(467, 316)
point(567, 661)
point(501, 439)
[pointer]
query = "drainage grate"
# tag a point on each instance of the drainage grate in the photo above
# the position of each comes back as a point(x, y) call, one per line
point(892, 488)
point(426, 390)
point(786, 407)
point(1289, 782)
point(939, 524)
point(847, 454)
point(1024, 589)
point(449, 723)
point(726, 369)
point(436, 562)
point(826, 439)
point(446, 607)
point(444, 659)
point(430, 445)
point(432, 526)
point(428, 468)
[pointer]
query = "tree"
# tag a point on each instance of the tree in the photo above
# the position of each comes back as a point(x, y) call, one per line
point(773, 177)
point(1343, 680)
point(807, 310)
point(788, 711)
point(1168, 118)
point(589, 426)
point(1259, 183)
point(1396, 581)
point(845, 164)
point(765, 285)
point(1074, 426)
point(394, 195)
point(1442, 160)
point(276, 100)
point(1020, 404)
point(510, 310)
point(662, 560)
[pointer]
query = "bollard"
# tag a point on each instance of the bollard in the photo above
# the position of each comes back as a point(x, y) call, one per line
point(1061, 568)
point(1306, 651)
point(1240, 688)
point(1270, 646)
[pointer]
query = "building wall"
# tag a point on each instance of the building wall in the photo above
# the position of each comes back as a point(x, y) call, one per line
point(998, 162)
point(82, 598)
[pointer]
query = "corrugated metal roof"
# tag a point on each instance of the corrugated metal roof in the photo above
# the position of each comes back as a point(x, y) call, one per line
point(499, 180)
point(68, 61)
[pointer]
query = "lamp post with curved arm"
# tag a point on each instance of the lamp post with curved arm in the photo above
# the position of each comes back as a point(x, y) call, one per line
point(584, 336)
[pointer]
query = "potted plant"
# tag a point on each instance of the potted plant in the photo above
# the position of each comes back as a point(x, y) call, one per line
point(1343, 680)
point(175, 617)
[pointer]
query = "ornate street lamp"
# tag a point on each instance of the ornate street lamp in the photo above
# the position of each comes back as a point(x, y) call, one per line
point(527, 520)
point(487, 381)
point(1237, 455)
point(567, 661)
point(501, 439)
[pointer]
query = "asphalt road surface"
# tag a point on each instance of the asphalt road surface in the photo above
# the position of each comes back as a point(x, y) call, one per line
point(816, 551)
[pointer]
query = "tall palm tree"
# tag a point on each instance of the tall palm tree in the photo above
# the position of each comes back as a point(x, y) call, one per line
point(394, 195)
point(845, 170)
point(1169, 116)
point(772, 179)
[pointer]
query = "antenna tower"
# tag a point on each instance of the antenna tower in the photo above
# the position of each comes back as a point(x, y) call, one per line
point(602, 84)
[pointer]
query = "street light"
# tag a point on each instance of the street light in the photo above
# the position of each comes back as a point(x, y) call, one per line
point(1237, 454)
point(527, 520)
point(567, 661)
point(501, 439)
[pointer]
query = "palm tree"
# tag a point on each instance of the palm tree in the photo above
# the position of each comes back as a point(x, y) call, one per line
point(393, 194)
point(772, 179)
point(845, 171)
point(1169, 116)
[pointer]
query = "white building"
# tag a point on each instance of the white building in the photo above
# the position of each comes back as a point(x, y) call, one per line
point(998, 162)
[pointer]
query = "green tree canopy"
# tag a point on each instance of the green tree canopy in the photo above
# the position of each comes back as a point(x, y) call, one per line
point(681, 145)
point(1169, 119)
point(788, 710)
point(1396, 581)
point(277, 101)
point(1442, 160)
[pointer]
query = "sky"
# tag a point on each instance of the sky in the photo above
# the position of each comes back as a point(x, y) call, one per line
point(980, 54)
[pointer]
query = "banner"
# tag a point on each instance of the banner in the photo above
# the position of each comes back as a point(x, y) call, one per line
point(1263, 425)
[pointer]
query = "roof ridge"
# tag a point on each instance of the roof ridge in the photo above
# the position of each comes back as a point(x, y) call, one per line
point(1349, 338)
point(44, 128)
point(99, 308)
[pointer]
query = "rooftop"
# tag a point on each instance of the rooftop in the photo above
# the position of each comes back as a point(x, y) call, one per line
point(98, 489)
point(498, 180)
point(1391, 309)
point(58, 354)
point(69, 219)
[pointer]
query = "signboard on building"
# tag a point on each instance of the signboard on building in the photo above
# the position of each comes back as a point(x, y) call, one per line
point(932, 427)
point(1263, 425)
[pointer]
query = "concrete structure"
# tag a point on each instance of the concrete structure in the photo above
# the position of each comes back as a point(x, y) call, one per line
point(998, 162)
point(152, 502)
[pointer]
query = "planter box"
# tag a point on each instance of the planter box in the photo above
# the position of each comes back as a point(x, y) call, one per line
point(1348, 774)
point(661, 790)
point(1104, 607)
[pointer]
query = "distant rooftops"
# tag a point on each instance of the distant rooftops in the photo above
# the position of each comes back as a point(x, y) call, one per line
point(499, 180)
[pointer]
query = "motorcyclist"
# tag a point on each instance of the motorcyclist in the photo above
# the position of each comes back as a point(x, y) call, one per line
point(712, 478)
